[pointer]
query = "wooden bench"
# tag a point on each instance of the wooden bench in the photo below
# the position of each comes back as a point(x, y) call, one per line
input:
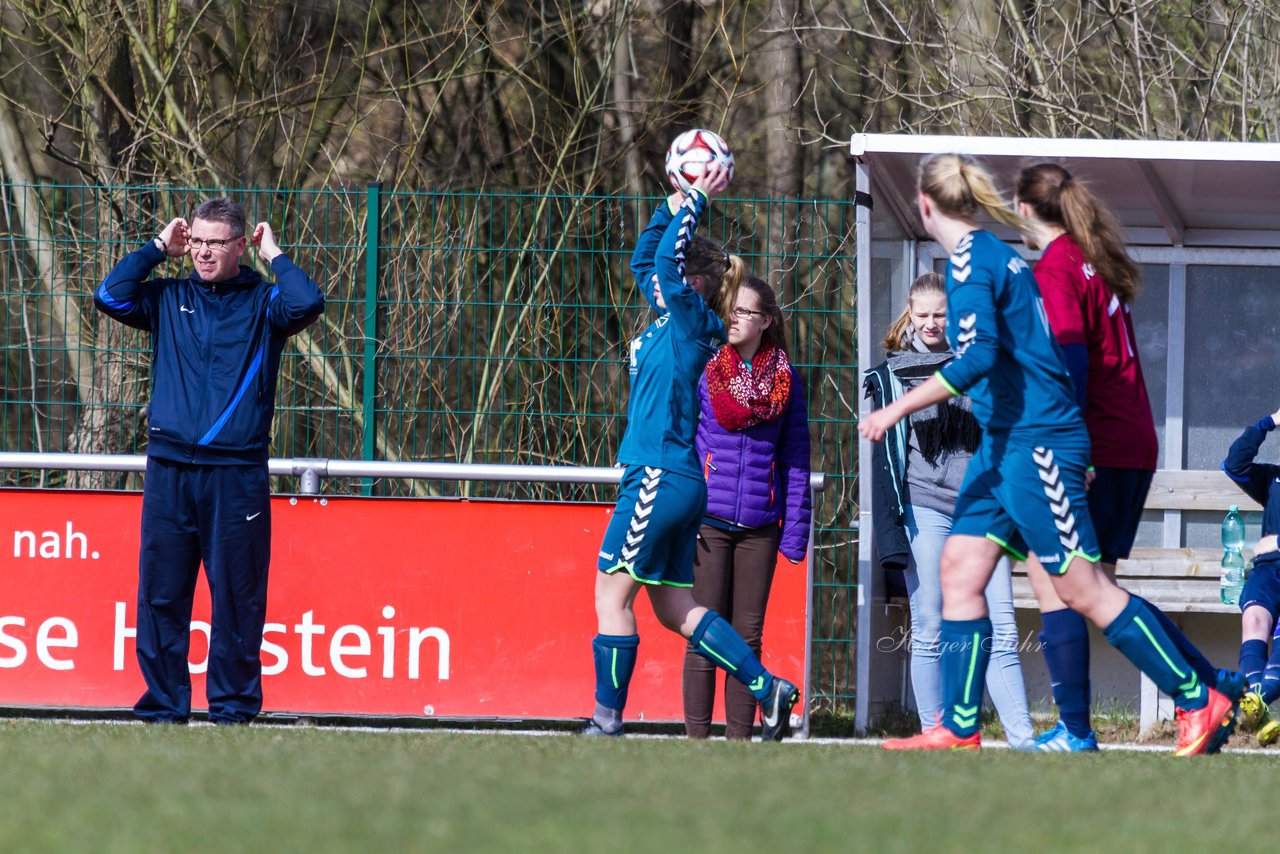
point(1177, 579)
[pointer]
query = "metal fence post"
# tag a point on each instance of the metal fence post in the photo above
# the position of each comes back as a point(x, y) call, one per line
point(372, 247)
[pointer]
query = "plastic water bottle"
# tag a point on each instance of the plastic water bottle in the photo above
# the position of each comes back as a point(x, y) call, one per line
point(1232, 581)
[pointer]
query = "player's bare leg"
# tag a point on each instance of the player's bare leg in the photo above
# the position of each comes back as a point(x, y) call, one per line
point(615, 599)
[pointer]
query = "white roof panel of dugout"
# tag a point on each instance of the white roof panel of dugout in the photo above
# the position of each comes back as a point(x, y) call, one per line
point(1165, 193)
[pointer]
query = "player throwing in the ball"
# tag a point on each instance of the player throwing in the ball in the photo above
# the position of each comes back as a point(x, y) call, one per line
point(1088, 282)
point(689, 282)
point(1024, 490)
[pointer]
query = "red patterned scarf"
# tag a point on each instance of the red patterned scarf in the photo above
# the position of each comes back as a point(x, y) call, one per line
point(745, 395)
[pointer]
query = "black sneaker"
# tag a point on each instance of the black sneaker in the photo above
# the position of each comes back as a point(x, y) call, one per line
point(775, 710)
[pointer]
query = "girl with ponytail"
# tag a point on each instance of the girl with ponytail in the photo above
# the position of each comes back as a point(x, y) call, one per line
point(1023, 493)
point(691, 284)
point(717, 273)
point(1088, 283)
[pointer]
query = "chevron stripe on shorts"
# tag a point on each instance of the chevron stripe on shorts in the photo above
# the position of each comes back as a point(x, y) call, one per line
point(640, 515)
point(1059, 503)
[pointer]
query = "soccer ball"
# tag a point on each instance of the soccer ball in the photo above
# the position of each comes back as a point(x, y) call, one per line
point(689, 154)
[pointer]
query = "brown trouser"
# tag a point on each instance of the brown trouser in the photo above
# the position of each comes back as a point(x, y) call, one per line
point(732, 576)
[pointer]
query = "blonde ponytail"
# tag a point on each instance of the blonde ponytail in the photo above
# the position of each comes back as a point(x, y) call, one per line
point(959, 186)
point(721, 272)
point(984, 192)
point(897, 333)
point(722, 302)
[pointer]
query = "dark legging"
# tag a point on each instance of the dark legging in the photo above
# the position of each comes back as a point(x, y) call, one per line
point(732, 576)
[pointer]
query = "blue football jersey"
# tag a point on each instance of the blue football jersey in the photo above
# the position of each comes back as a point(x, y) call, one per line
point(1007, 359)
point(668, 358)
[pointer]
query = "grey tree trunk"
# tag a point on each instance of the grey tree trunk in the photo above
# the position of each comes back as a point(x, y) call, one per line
point(105, 105)
point(783, 148)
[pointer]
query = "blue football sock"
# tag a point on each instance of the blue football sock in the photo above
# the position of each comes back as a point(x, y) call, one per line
point(1066, 653)
point(1253, 658)
point(1270, 684)
point(718, 642)
point(1271, 676)
point(615, 659)
point(1204, 668)
point(966, 648)
point(1274, 685)
point(1138, 634)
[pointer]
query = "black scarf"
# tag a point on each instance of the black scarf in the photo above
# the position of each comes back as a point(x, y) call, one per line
point(941, 427)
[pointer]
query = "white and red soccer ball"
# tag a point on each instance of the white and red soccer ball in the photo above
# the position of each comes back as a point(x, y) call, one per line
point(689, 154)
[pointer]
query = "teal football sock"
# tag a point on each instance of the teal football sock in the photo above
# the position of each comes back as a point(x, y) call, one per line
point(718, 642)
point(966, 649)
point(1138, 633)
point(1202, 666)
point(615, 660)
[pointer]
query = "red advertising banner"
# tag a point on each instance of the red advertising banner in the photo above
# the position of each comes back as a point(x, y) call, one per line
point(436, 608)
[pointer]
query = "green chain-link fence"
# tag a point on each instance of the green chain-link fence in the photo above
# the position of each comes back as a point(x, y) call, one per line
point(463, 327)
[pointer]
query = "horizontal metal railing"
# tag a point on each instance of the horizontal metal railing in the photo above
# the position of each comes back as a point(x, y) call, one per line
point(312, 471)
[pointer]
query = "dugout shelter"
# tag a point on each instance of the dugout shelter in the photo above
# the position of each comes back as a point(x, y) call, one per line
point(1202, 221)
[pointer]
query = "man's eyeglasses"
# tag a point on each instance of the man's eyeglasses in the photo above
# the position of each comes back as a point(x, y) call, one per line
point(217, 245)
point(746, 313)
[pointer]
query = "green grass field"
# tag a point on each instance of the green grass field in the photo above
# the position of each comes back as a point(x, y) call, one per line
point(104, 787)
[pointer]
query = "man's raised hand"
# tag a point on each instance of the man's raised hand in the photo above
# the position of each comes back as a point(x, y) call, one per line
point(174, 236)
point(265, 239)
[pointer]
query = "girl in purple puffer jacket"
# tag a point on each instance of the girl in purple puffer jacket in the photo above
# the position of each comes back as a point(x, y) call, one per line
point(753, 442)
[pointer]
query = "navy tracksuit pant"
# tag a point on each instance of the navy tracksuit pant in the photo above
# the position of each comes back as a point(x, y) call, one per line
point(219, 515)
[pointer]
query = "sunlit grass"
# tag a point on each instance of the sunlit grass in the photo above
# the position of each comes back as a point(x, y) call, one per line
point(103, 787)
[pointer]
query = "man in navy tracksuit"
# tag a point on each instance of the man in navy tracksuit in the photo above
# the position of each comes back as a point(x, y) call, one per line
point(216, 338)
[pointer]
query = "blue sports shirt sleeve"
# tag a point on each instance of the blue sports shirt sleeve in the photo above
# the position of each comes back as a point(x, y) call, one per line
point(971, 315)
point(1077, 359)
point(126, 294)
point(642, 259)
point(1254, 478)
point(689, 311)
point(296, 300)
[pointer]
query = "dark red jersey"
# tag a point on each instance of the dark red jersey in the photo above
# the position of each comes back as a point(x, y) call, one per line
point(1083, 310)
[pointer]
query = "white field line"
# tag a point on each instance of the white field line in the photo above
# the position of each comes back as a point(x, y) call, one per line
point(427, 731)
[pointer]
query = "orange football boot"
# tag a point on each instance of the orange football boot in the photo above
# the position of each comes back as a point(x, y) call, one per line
point(935, 738)
point(1205, 731)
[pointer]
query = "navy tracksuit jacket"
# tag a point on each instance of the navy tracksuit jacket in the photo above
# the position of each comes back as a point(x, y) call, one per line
point(215, 356)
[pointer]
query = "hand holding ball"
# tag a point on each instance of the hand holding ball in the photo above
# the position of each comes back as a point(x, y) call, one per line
point(690, 154)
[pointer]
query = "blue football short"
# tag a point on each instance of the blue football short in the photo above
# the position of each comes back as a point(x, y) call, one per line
point(654, 529)
point(1263, 584)
point(1030, 498)
point(1116, 497)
